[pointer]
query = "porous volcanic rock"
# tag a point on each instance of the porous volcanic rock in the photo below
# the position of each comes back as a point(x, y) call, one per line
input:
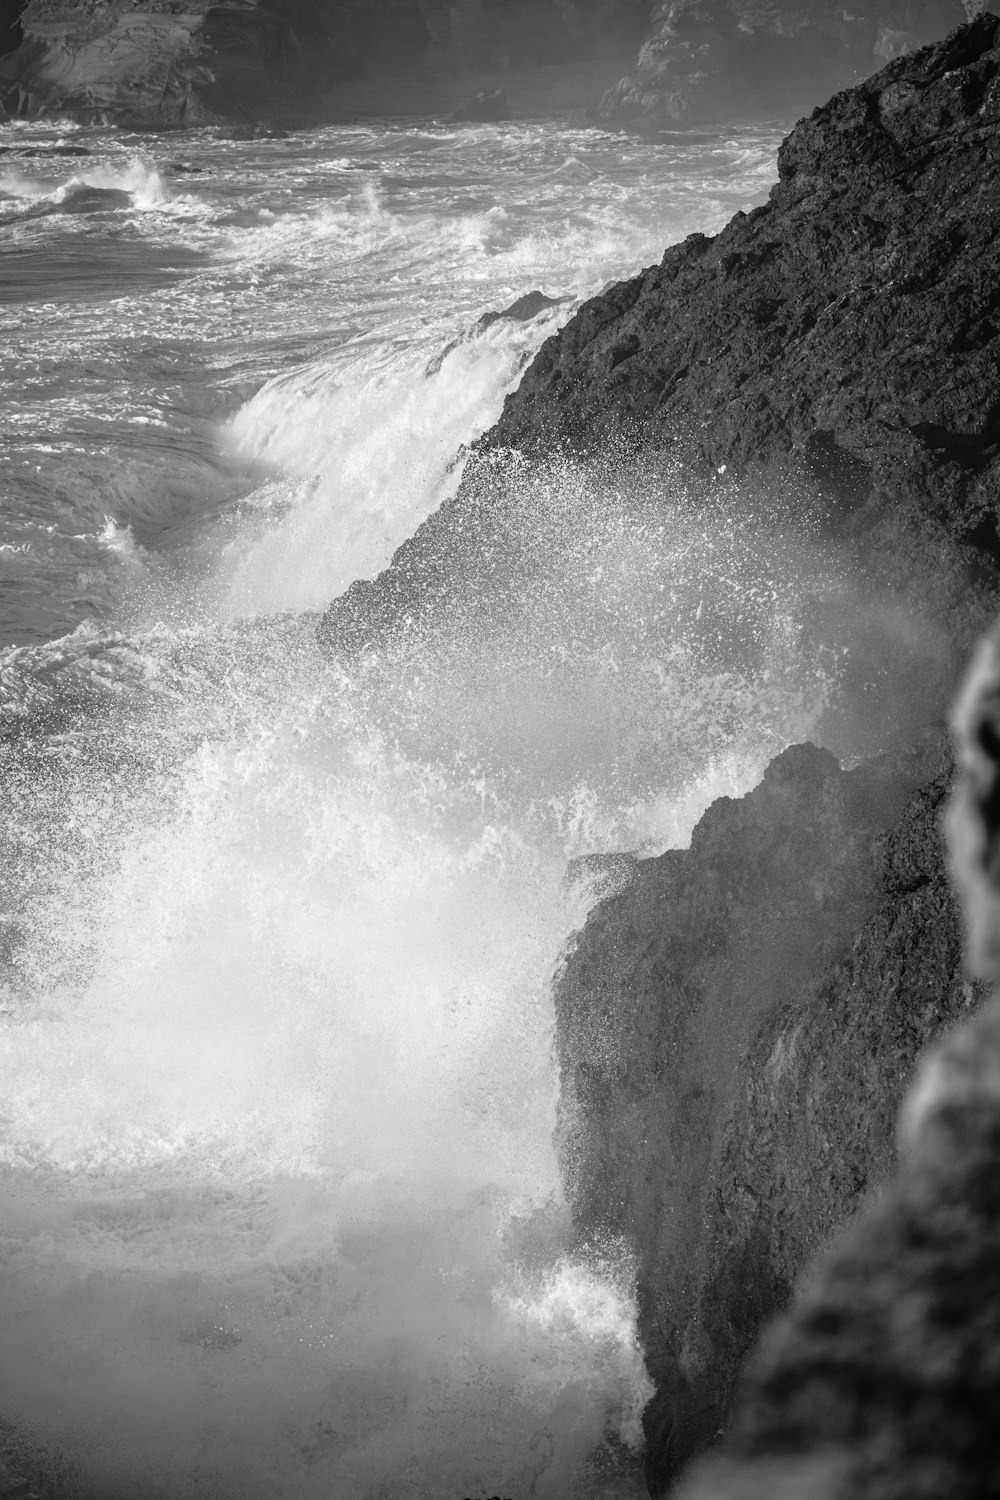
point(735, 1030)
point(840, 343)
point(713, 60)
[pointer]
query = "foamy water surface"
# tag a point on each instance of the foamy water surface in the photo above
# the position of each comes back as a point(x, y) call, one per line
point(281, 1211)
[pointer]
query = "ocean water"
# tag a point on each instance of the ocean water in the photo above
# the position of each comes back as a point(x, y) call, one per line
point(280, 1212)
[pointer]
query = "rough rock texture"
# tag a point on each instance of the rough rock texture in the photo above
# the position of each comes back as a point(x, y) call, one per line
point(729, 59)
point(737, 1026)
point(882, 1382)
point(735, 1030)
point(162, 62)
point(840, 343)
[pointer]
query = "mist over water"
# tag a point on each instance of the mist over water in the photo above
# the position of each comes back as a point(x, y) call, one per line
point(280, 1208)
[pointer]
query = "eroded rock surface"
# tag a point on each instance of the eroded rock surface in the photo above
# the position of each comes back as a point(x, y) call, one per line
point(881, 1382)
point(838, 348)
point(736, 1028)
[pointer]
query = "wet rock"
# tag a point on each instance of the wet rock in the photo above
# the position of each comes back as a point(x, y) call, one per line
point(735, 1030)
point(489, 104)
point(836, 352)
point(522, 310)
point(32, 151)
point(848, 324)
point(737, 1023)
point(881, 1382)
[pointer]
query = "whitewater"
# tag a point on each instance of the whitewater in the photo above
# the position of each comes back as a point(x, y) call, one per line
point(280, 1210)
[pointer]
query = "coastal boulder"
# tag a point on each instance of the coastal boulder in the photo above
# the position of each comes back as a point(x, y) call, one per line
point(487, 105)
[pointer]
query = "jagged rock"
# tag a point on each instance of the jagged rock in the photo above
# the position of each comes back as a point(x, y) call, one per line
point(734, 59)
point(836, 352)
point(522, 310)
point(735, 1030)
point(736, 1027)
point(849, 324)
point(881, 1383)
point(487, 105)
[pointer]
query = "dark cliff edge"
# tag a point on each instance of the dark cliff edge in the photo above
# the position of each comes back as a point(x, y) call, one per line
point(880, 1383)
point(835, 352)
point(738, 1024)
point(735, 1030)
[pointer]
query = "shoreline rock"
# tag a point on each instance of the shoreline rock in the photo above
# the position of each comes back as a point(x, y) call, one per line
point(737, 1026)
point(735, 1031)
point(833, 355)
point(880, 1382)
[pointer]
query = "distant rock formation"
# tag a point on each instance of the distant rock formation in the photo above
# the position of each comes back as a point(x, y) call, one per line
point(714, 60)
point(487, 105)
point(160, 62)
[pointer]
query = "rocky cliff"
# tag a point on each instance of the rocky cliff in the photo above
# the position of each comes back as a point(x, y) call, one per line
point(712, 60)
point(881, 1382)
point(834, 354)
point(738, 1024)
point(736, 1029)
point(163, 62)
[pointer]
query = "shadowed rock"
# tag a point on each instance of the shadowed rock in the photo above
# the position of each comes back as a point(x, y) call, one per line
point(881, 1383)
point(158, 64)
point(489, 104)
point(735, 1029)
point(836, 353)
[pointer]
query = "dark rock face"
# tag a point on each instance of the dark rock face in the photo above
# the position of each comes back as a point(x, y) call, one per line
point(733, 59)
point(737, 1026)
point(488, 104)
point(159, 63)
point(735, 1030)
point(850, 324)
point(836, 351)
point(881, 1383)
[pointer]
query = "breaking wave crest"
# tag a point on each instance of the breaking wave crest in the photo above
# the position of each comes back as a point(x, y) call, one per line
point(279, 919)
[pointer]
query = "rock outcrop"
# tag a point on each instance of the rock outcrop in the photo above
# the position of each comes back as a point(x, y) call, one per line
point(738, 1024)
point(881, 1383)
point(160, 62)
point(836, 351)
point(736, 1028)
point(714, 60)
